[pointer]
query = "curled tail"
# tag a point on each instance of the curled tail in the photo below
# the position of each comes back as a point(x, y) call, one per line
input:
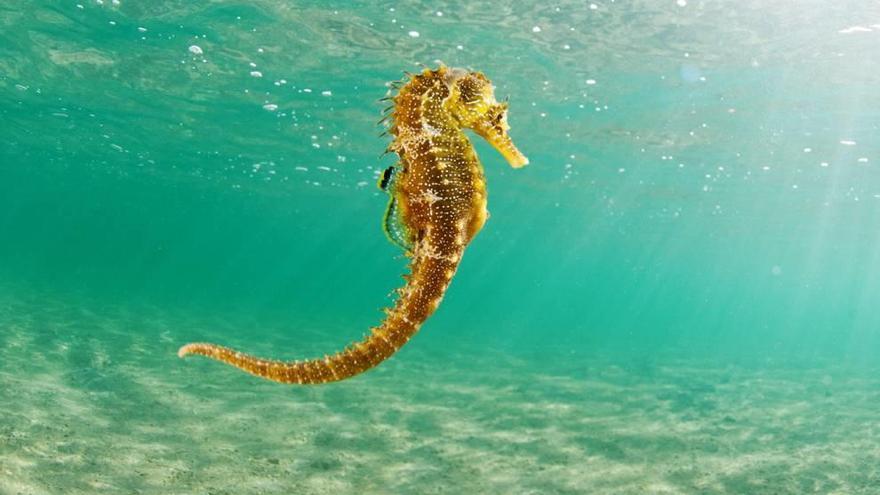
point(418, 299)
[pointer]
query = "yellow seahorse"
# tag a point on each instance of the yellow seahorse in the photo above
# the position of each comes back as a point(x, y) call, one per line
point(438, 204)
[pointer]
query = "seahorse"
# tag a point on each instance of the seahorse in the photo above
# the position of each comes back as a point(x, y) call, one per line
point(437, 205)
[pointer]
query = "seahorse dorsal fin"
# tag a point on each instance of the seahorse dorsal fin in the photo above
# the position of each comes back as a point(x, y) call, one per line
point(392, 223)
point(394, 227)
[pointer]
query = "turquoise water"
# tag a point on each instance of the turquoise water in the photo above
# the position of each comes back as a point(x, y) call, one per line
point(677, 296)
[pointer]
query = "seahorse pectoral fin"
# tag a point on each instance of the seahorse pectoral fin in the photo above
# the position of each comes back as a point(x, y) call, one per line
point(494, 130)
point(386, 178)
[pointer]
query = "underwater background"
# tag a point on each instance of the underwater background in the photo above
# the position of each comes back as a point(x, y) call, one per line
point(679, 295)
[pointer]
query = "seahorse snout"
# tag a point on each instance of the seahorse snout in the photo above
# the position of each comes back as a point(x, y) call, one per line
point(504, 145)
point(494, 131)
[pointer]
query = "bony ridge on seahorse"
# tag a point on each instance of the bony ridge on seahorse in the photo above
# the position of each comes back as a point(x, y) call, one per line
point(437, 206)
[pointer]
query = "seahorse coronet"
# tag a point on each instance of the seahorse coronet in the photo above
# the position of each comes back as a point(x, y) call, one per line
point(438, 198)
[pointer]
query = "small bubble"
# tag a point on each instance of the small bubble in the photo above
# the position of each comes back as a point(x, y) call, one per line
point(536, 29)
point(256, 73)
point(414, 34)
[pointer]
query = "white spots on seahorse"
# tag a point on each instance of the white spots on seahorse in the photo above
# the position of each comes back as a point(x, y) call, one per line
point(428, 251)
point(429, 196)
point(429, 129)
point(435, 304)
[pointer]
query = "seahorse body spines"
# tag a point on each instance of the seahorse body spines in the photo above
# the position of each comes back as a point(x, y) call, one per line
point(437, 205)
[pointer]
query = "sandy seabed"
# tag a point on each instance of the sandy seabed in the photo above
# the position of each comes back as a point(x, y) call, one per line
point(97, 402)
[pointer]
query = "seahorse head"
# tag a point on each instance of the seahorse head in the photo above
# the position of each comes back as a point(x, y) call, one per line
point(472, 102)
